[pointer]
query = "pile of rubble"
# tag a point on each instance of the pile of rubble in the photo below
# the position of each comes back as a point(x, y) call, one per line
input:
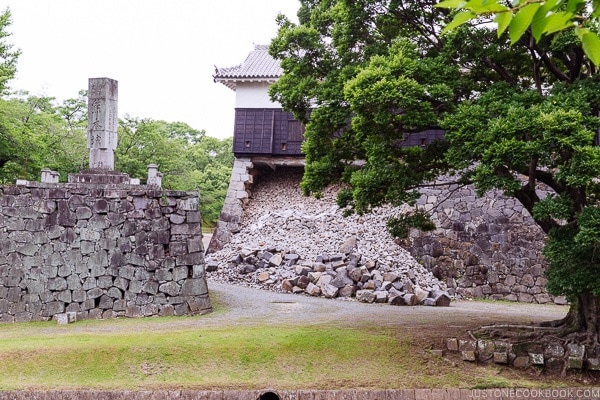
point(289, 242)
point(342, 275)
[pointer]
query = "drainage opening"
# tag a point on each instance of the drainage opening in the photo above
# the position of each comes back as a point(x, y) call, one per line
point(269, 396)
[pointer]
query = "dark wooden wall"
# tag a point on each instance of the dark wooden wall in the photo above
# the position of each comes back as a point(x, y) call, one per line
point(272, 131)
point(266, 131)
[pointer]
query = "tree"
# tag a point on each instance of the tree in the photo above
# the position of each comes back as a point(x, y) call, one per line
point(35, 135)
point(213, 161)
point(517, 114)
point(147, 141)
point(542, 17)
point(8, 56)
point(188, 159)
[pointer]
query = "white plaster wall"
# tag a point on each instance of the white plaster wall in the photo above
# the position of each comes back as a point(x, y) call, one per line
point(254, 95)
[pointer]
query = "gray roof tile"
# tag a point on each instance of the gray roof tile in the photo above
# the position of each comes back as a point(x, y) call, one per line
point(258, 66)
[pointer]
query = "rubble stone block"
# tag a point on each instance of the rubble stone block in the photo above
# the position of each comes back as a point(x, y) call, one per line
point(575, 363)
point(501, 357)
point(575, 350)
point(521, 362)
point(365, 296)
point(536, 358)
point(593, 364)
point(554, 350)
point(468, 345)
point(452, 344)
point(485, 350)
point(468, 355)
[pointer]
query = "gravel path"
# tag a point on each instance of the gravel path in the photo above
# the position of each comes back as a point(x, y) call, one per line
point(253, 306)
point(238, 305)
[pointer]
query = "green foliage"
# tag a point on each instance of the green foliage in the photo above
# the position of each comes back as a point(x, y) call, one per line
point(187, 158)
point(8, 56)
point(34, 135)
point(574, 262)
point(555, 207)
point(541, 18)
point(401, 225)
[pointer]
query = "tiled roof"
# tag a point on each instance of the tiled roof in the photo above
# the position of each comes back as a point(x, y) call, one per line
point(259, 66)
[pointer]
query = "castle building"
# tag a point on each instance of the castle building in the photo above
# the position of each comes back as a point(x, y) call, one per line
point(261, 127)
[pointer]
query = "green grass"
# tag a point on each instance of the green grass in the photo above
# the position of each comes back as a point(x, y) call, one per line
point(204, 358)
point(198, 353)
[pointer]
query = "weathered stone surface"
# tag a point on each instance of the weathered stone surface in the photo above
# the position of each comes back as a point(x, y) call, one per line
point(442, 300)
point(521, 362)
point(329, 290)
point(421, 294)
point(78, 252)
point(313, 289)
point(347, 291)
point(555, 350)
point(349, 245)
point(452, 344)
point(365, 296)
point(576, 355)
point(593, 364)
point(194, 287)
point(397, 300)
point(485, 350)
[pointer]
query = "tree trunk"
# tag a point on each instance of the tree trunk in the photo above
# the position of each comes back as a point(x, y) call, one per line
point(588, 309)
point(583, 318)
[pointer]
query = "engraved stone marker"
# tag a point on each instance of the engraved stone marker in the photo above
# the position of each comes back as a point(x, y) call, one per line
point(102, 122)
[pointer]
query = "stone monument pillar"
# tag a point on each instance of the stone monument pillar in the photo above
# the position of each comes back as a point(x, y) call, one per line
point(102, 134)
point(102, 122)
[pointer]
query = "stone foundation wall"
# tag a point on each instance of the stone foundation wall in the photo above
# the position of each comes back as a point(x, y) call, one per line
point(100, 251)
point(484, 246)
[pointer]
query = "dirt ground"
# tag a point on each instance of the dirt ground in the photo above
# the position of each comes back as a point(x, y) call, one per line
point(248, 306)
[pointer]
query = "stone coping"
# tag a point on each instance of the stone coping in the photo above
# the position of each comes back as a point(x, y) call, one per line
point(101, 186)
point(386, 394)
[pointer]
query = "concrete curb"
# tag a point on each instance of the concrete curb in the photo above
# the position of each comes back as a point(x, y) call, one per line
point(581, 393)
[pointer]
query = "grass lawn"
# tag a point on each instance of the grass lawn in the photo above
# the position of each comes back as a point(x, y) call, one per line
point(164, 353)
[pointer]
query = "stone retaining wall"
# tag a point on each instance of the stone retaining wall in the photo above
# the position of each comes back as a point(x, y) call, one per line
point(233, 207)
point(100, 251)
point(483, 246)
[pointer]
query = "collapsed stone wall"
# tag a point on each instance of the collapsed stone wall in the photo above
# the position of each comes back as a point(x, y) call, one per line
point(101, 251)
point(486, 247)
point(289, 242)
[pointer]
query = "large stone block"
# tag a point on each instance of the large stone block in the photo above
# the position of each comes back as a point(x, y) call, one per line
point(194, 287)
point(190, 259)
point(186, 229)
point(180, 273)
point(200, 305)
point(170, 288)
point(190, 204)
point(150, 287)
point(56, 284)
point(79, 296)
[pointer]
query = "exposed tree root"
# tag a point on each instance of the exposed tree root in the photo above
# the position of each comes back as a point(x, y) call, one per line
point(580, 327)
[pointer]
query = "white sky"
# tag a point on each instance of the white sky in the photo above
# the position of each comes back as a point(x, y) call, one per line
point(162, 52)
